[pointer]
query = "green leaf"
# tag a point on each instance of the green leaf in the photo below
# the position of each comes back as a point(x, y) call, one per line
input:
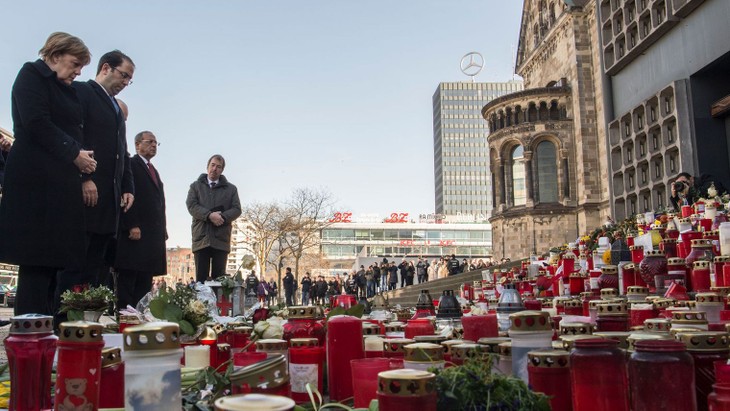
point(157, 308)
point(173, 313)
point(186, 327)
point(75, 315)
point(356, 311)
point(336, 311)
point(374, 406)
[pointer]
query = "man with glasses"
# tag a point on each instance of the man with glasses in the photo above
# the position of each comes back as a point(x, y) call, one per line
point(141, 253)
point(110, 189)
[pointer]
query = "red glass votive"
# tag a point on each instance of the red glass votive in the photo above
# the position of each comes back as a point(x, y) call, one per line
point(637, 253)
point(701, 276)
point(705, 224)
point(628, 275)
point(669, 246)
point(365, 378)
point(549, 373)
point(687, 238)
point(662, 377)
point(575, 282)
point(687, 211)
point(418, 327)
point(638, 316)
point(598, 376)
point(533, 305)
point(344, 343)
point(479, 326)
point(612, 323)
point(306, 365)
point(242, 359)
point(722, 371)
point(111, 383)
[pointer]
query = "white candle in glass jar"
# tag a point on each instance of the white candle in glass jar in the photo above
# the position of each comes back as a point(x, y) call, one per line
point(197, 356)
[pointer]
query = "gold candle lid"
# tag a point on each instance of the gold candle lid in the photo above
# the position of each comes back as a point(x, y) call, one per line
point(269, 373)
point(548, 359)
point(505, 349)
point(243, 330)
point(529, 321)
point(669, 240)
point(715, 341)
point(159, 335)
point(609, 293)
point(394, 327)
point(708, 298)
point(303, 342)
point(31, 324)
point(612, 309)
point(81, 331)
point(575, 275)
point(722, 258)
point(569, 340)
point(110, 357)
point(701, 242)
point(723, 291)
point(676, 261)
point(303, 312)
point(254, 402)
point(621, 336)
point(468, 351)
point(492, 343)
point(629, 266)
point(652, 298)
point(576, 328)
point(407, 383)
point(233, 324)
point(637, 289)
point(218, 328)
point(396, 344)
point(223, 347)
point(546, 302)
point(701, 264)
point(574, 304)
point(593, 304)
point(657, 325)
point(433, 339)
point(568, 256)
point(655, 253)
point(423, 352)
point(677, 330)
point(450, 343)
point(129, 319)
point(208, 334)
point(694, 317)
point(271, 344)
point(639, 336)
point(560, 301)
point(609, 269)
point(585, 294)
point(636, 247)
point(370, 328)
point(662, 303)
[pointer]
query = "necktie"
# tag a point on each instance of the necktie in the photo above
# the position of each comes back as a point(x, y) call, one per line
point(114, 103)
point(153, 174)
point(213, 184)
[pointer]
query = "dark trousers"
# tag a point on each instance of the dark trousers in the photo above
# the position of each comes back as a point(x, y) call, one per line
point(36, 289)
point(132, 285)
point(288, 297)
point(209, 262)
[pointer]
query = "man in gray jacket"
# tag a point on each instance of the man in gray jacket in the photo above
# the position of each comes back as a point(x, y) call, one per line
point(213, 202)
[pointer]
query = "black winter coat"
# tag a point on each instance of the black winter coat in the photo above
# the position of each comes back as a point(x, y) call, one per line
point(148, 254)
point(42, 210)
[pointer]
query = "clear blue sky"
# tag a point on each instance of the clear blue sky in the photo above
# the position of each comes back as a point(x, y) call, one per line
point(301, 93)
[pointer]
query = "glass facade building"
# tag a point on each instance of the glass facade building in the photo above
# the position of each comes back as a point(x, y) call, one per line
point(461, 153)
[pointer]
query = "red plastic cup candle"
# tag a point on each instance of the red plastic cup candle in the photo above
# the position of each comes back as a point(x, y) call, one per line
point(365, 378)
point(111, 384)
point(306, 366)
point(701, 276)
point(479, 326)
point(406, 390)
point(344, 343)
point(687, 211)
point(79, 363)
point(663, 365)
point(549, 373)
point(598, 376)
point(418, 327)
point(637, 253)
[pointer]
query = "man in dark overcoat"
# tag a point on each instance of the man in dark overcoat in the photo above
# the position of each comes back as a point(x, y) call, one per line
point(110, 188)
point(141, 252)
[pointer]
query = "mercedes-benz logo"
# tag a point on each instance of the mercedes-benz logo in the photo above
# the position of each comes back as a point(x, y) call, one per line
point(472, 64)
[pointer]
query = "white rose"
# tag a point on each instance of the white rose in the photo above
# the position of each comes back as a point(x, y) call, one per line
point(273, 331)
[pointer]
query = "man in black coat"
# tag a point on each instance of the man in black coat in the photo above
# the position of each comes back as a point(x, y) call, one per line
point(141, 252)
point(289, 286)
point(111, 187)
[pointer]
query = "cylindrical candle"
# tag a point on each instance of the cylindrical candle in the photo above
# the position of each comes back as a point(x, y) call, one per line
point(152, 366)
point(706, 348)
point(628, 277)
point(417, 327)
point(30, 347)
point(701, 276)
point(306, 365)
point(529, 330)
point(79, 365)
point(420, 395)
point(662, 377)
point(197, 356)
point(480, 326)
point(637, 253)
point(598, 376)
point(422, 356)
point(549, 373)
point(111, 385)
point(344, 343)
point(373, 346)
point(254, 402)
point(720, 261)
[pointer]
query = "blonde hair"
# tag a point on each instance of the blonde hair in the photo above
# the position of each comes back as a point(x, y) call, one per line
point(60, 43)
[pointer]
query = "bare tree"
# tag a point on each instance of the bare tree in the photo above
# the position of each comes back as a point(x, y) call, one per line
point(265, 222)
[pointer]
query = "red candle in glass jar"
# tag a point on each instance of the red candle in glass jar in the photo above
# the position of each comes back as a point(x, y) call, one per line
point(344, 343)
point(549, 373)
point(479, 326)
point(79, 363)
point(127, 321)
point(662, 377)
point(418, 327)
point(111, 384)
point(303, 322)
point(669, 246)
point(393, 347)
point(687, 210)
point(305, 366)
point(701, 276)
point(241, 339)
point(406, 390)
point(30, 347)
point(677, 270)
point(719, 262)
point(628, 276)
point(598, 376)
point(706, 349)
point(637, 253)
point(264, 377)
point(575, 283)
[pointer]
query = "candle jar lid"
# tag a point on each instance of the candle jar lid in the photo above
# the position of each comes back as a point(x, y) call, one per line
point(407, 383)
point(655, 253)
point(546, 302)
point(505, 349)
point(708, 298)
point(573, 304)
point(450, 343)
point(152, 336)
point(370, 328)
point(396, 344)
point(575, 275)
point(309, 312)
point(394, 327)
point(621, 336)
point(676, 261)
point(110, 357)
point(709, 234)
point(612, 309)
point(569, 340)
point(271, 344)
point(224, 347)
point(468, 351)
point(560, 301)
point(208, 334)
point(642, 336)
point(529, 322)
point(585, 294)
point(629, 266)
point(701, 265)
point(637, 290)
point(423, 352)
point(217, 328)
point(657, 325)
point(669, 240)
point(609, 269)
point(658, 346)
point(636, 247)
point(254, 402)
point(31, 324)
point(701, 242)
point(715, 341)
point(433, 339)
point(722, 258)
point(129, 319)
point(303, 342)
point(568, 256)
point(722, 291)
point(609, 293)
point(548, 359)
point(243, 330)
point(576, 328)
point(269, 373)
point(81, 332)
point(492, 343)
point(662, 303)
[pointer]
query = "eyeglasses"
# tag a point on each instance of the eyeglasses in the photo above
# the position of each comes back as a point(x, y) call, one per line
point(125, 75)
point(150, 142)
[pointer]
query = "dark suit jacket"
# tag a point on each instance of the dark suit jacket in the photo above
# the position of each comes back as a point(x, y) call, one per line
point(42, 211)
point(105, 133)
point(148, 213)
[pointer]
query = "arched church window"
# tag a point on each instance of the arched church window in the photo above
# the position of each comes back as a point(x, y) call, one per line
point(519, 190)
point(547, 172)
